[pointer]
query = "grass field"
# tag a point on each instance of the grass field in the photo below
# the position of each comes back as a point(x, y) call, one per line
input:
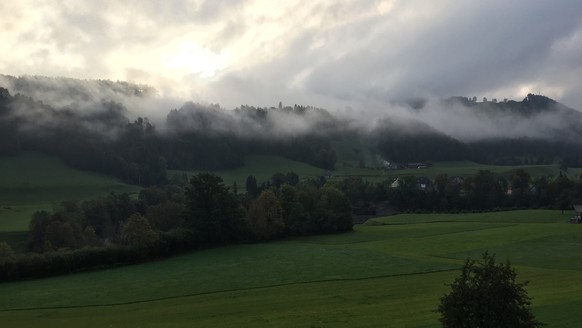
point(32, 182)
point(390, 273)
point(454, 168)
point(263, 167)
point(350, 152)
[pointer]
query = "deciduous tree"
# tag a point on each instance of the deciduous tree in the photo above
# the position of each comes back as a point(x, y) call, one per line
point(295, 217)
point(334, 212)
point(487, 295)
point(251, 186)
point(5, 249)
point(213, 212)
point(266, 216)
point(166, 216)
point(138, 232)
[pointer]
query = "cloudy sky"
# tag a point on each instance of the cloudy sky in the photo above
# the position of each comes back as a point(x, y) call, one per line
point(334, 54)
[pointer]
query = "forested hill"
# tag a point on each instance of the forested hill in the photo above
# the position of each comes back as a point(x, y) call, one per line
point(536, 129)
point(102, 138)
point(530, 105)
point(98, 125)
point(63, 92)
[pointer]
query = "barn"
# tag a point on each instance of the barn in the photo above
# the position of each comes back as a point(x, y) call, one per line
point(578, 217)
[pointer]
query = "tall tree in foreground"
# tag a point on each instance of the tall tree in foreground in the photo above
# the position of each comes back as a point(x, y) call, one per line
point(266, 216)
point(138, 232)
point(333, 211)
point(251, 186)
point(487, 295)
point(213, 212)
point(5, 249)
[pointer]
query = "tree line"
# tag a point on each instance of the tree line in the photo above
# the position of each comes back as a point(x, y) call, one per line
point(204, 212)
point(485, 191)
point(170, 219)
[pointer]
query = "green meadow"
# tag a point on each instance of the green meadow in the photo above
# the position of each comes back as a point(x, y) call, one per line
point(351, 152)
point(463, 169)
point(264, 166)
point(388, 273)
point(33, 182)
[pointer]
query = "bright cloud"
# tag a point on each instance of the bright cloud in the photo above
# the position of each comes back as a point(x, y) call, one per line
point(356, 53)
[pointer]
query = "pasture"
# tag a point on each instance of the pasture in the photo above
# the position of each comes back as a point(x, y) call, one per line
point(463, 169)
point(351, 152)
point(263, 167)
point(388, 273)
point(31, 182)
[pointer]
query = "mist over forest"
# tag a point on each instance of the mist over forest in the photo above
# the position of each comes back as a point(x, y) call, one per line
point(129, 131)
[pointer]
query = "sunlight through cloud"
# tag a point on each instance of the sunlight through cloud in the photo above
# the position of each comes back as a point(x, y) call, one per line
point(191, 58)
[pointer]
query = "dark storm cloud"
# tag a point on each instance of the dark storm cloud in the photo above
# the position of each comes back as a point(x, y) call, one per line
point(470, 48)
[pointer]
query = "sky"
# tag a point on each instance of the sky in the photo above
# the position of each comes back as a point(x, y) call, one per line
point(332, 54)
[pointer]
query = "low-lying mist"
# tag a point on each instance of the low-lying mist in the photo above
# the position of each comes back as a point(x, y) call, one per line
point(536, 117)
point(102, 105)
point(128, 131)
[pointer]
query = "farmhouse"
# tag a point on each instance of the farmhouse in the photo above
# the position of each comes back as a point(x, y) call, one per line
point(457, 180)
point(395, 183)
point(423, 183)
point(578, 217)
point(416, 165)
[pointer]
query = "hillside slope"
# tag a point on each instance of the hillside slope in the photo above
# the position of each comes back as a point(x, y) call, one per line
point(393, 274)
point(31, 182)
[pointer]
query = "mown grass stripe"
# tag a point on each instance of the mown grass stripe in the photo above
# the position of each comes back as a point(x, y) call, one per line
point(229, 291)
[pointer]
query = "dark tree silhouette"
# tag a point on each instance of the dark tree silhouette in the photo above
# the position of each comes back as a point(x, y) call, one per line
point(266, 216)
point(213, 212)
point(251, 186)
point(487, 295)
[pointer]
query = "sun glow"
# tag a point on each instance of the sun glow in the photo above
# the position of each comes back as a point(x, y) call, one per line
point(191, 58)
